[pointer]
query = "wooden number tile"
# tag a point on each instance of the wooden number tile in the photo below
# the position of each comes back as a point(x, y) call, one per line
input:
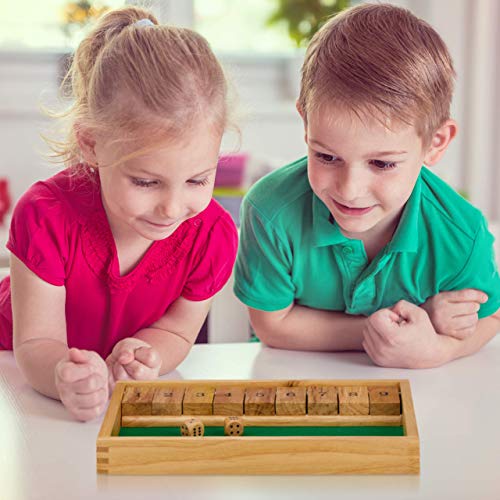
point(229, 401)
point(354, 400)
point(168, 401)
point(193, 427)
point(384, 400)
point(137, 400)
point(198, 401)
point(291, 401)
point(322, 400)
point(233, 426)
point(260, 401)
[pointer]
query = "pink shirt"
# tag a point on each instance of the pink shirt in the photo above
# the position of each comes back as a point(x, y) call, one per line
point(60, 231)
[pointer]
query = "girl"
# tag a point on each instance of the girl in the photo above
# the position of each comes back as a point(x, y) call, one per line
point(115, 259)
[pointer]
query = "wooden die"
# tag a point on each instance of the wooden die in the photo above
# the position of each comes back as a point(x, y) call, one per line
point(192, 427)
point(233, 426)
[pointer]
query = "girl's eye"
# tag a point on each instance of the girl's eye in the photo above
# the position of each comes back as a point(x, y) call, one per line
point(325, 158)
point(383, 165)
point(199, 182)
point(143, 182)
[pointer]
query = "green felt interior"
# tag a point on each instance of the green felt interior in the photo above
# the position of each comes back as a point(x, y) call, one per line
point(273, 431)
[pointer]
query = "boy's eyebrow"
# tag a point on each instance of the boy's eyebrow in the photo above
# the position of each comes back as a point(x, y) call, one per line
point(369, 155)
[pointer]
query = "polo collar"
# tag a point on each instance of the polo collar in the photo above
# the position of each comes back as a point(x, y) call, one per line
point(405, 238)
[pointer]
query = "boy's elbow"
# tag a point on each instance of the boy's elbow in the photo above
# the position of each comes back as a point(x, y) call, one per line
point(266, 331)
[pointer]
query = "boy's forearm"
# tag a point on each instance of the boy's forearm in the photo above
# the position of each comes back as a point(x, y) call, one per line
point(486, 329)
point(172, 347)
point(37, 360)
point(309, 329)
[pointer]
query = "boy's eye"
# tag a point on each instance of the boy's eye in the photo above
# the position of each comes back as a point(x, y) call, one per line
point(383, 165)
point(143, 182)
point(326, 158)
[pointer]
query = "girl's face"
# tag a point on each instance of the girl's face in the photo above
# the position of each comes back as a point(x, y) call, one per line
point(152, 194)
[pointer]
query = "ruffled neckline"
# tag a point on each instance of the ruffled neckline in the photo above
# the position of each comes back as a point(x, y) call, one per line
point(160, 260)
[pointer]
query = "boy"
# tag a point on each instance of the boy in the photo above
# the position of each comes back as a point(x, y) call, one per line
point(358, 246)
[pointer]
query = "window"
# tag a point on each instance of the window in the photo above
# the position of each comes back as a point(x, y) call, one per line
point(35, 24)
point(241, 26)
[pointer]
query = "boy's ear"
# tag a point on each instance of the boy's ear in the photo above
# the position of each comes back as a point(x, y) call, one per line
point(440, 141)
point(86, 142)
point(303, 116)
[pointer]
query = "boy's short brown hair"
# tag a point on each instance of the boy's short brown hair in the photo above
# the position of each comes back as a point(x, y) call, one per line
point(381, 60)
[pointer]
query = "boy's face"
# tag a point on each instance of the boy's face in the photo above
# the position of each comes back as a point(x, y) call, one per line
point(363, 172)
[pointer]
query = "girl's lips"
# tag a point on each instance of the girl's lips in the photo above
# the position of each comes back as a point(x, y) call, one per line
point(159, 226)
point(351, 210)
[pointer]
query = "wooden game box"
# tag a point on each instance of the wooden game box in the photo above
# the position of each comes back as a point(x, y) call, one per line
point(290, 427)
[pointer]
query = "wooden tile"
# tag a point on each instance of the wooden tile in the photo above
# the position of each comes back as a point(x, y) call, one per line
point(354, 400)
point(291, 401)
point(229, 401)
point(260, 401)
point(198, 401)
point(384, 400)
point(168, 401)
point(137, 400)
point(322, 400)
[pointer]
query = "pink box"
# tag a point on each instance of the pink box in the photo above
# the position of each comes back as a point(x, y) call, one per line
point(231, 170)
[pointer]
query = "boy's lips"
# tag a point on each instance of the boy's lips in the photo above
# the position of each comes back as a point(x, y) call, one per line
point(352, 210)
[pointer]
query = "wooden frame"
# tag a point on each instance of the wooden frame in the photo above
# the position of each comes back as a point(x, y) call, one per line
point(260, 455)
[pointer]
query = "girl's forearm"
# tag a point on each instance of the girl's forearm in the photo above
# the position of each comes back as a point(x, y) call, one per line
point(37, 360)
point(172, 347)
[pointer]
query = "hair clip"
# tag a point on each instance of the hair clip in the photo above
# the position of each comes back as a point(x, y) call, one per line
point(143, 22)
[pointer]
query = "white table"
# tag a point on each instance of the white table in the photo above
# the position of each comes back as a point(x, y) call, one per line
point(46, 455)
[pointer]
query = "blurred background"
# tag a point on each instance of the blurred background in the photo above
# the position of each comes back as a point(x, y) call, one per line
point(261, 43)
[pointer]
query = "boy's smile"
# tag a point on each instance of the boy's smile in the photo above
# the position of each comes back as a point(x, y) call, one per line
point(362, 171)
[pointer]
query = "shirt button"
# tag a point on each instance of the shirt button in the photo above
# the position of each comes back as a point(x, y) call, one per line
point(347, 250)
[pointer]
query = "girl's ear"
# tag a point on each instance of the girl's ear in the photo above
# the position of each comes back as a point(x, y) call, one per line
point(86, 142)
point(440, 142)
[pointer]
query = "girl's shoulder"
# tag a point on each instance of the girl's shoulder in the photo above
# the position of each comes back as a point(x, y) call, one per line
point(69, 194)
point(216, 218)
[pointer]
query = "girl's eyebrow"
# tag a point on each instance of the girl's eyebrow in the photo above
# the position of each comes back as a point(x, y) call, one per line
point(211, 169)
point(155, 175)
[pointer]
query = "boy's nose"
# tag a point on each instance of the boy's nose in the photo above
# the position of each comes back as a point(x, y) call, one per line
point(349, 185)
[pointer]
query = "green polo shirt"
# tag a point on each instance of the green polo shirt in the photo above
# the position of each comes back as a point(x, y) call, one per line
point(291, 250)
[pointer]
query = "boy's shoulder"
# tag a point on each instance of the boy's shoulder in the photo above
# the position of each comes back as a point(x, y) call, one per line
point(440, 202)
point(282, 190)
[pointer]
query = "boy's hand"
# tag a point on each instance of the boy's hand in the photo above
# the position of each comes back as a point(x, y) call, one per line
point(455, 313)
point(82, 381)
point(133, 359)
point(403, 337)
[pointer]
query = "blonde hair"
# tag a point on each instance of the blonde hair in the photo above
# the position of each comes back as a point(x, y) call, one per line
point(130, 80)
point(381, 60)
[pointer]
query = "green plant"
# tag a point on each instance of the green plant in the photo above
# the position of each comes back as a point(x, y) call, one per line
point(305, 17)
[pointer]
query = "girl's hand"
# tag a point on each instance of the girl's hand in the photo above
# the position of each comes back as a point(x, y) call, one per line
point(403, 337)
point(455, 313)
point(133, 359)
point(82, 382)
